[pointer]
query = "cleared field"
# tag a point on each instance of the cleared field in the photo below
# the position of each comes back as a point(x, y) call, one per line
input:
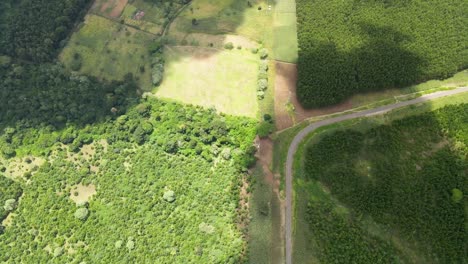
point(128, 16)
point(109, 8)
point(225, 16)
point(226, 80)
point(109, 51)
point(285, 47)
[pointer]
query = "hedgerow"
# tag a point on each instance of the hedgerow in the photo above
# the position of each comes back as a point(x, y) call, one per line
point(349, 47)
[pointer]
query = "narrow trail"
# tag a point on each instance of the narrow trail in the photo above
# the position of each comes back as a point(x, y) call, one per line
point(310, 128)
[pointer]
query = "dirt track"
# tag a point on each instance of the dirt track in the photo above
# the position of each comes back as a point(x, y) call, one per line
point(310, 128)
point(285, 92)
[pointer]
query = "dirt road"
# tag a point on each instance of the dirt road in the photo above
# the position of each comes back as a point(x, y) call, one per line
point(303, 133)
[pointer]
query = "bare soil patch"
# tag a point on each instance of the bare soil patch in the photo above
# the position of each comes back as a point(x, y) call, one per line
point(18, 167)
point(84, 193)
point(109, 8)
point(285, 94)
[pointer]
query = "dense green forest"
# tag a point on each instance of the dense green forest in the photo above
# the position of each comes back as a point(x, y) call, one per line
point(47, 93)
point(348, 47)
point(34, 29)
point(167, 179)
point(394, 193)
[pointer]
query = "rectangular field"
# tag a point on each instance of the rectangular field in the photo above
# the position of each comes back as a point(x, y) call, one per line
point(109, 8)
point(225, 80)
point(285, 47)
point(226, 16)
point(109, 50)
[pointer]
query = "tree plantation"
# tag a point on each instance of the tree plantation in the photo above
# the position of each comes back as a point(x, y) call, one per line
point(349, 47)
point(33, 29)
point(393, 193)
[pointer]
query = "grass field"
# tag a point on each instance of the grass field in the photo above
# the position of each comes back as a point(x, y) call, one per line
point(109, 50)
point(225, 16)
point(285, 47)
point(304, 249)
point(224, 79)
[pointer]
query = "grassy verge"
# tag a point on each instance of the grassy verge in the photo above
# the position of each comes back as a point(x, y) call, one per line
point(260, 226)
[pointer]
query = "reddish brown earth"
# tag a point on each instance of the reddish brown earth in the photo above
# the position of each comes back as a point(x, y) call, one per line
point(285, 92)
point(116, 6)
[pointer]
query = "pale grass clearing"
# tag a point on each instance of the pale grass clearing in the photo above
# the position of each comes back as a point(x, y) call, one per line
point(223, 79)
point(84, 193)
point(18, 167)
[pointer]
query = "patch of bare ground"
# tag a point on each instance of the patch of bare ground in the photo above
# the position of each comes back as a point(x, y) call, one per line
point(288, 110)
point(81, 194)
point(264, 157)
point(20, 167)
point(436, 147)
point(110, 8)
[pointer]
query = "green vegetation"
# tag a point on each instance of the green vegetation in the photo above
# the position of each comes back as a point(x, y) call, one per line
point(157, 152)
point(98, 175)
point(225, 16)
point(225, 79)
point(151, 15)
point(386, 193)
point(31, 95)
point(110, 51)
point(34, 29)
point(9, 195)
point(285, 31)
point(348, 47)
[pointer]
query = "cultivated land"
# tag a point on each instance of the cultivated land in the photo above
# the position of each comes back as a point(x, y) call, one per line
point(109, 51)
point(109, 8)
point(225, 80)
point(225, 17)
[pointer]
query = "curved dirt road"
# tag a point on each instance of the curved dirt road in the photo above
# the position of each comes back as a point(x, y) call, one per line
point(303, 133)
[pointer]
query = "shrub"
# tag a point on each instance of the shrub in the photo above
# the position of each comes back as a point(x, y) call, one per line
point(263, 53)
point(254, 50)
point(262, 84)
point(82, 214)
point(264, 129)
point(118, 244)
point(10, 205)
point(169, 196)
point(263, 66)
point(130, 245)
point(229, 46)
point(260, 95)
point(58, 252)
